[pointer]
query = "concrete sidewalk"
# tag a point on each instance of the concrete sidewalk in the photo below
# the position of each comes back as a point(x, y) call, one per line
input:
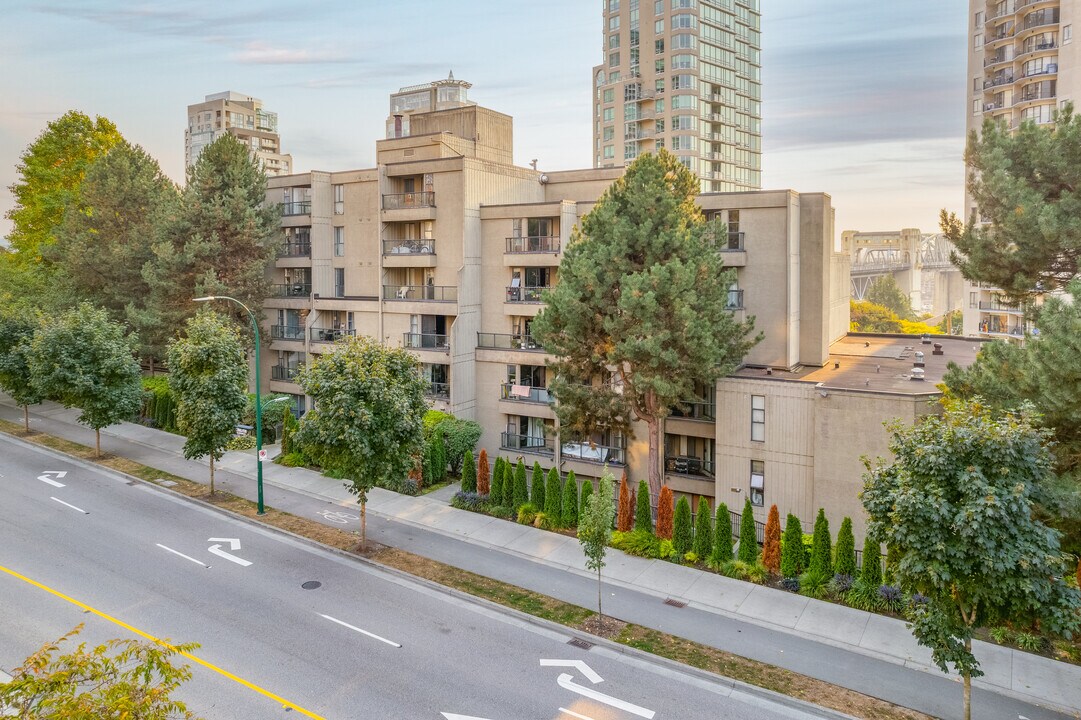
point(1020, 675)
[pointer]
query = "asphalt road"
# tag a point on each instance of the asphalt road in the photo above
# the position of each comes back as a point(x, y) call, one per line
point(364, 644)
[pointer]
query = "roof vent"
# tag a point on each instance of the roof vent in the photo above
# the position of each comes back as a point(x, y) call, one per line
point(917, 374)
point(919, 360)
point(938, 349)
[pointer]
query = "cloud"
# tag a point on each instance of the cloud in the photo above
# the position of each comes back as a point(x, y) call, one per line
point(261, 53)
point(155, 20)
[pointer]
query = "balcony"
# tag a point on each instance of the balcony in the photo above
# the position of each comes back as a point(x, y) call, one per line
point(285, 373)
point(421, 293)
point(688, 465)
point(996, 81)
point(1043, 93)
point(408, 201)
point(532, 245)
point(507, 341)
point(525, 393)
point(329, 335)
point(409, 247)
point(526, 294)
point(527, 443)
point(296, 249)
point(590, 453)
point(425, 341)
point(1000, 306)
point(439, 390)
point(287, 332)
point(303, 207)
point(697, 410)
point(734, 301)
point(1049, 69)
point(996, 60)
point(292, 290)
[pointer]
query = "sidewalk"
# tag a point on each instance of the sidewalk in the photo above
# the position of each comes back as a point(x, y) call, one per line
point(1022, 676)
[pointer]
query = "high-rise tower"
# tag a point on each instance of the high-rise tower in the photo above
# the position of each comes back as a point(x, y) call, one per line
point(239, 115)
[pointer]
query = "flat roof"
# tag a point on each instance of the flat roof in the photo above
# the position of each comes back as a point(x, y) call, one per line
point(881, 363)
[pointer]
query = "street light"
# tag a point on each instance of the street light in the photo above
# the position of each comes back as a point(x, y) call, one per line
point(258, 394)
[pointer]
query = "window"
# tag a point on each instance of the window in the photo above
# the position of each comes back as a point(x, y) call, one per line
point(609, 95)
point(658, 47)
point(658, 65)
point(972, 300)
point(685, 41)
point(758, 418)
point(609, 133)
point(976, 107)
point(613, 59)
point(609, 114)
point(687, 102)
point(339, 199)
point(658, 106)
point(339, 241)
point(977, 41)
point(684, 82)
point(684, 4)
point(1067, 33)
point(758, 483)
point(660, 125)
point(979, 19)
point(684, 22)
point(613, 41)
point(609, 152)
point(339, 282)
point(658, 7)
point(683, 122)
point(684, 62)
point(683, 142)
point(613, 5)
point(613, 22)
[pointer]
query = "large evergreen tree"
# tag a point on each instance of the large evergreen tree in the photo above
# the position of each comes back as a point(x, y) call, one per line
point(642, 289)
point(886, 292)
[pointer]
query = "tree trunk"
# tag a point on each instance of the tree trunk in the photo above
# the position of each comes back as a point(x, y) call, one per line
point(151, 361)
point(968, 686)
point(654, 426)
point(26, 418)
point(600, 613)
point(363, 526)
point(211, 474)
point(97, 440)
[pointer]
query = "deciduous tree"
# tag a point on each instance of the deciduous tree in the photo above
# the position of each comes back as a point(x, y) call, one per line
point(595, 528)
point(16, 331)
point(886, 292)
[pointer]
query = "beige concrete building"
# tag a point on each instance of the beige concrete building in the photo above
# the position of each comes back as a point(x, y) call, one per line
point(683, 75)
point(241, 116)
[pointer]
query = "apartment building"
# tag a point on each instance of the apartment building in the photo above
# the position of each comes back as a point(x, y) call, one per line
point(1022, 66)
point(241, 116)
point(683, 75)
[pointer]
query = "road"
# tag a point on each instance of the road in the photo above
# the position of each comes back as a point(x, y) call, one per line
point(364, 643)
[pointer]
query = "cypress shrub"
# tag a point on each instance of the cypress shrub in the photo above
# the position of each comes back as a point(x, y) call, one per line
point(643, 514)
point(484, 486)
point(664, 514)
point(587, 491)
point(821, 550)
point(681, 528)
point(625, 517)
point(722, 537)
point(495, 492)
point(289, 426)
point(771, 550)
point(439, 459)
point(845, 562)
point(792, 549)
point(703, 531)
point(871, 572)
point(570, 501)
point(536, 488)
point(427, 472)
point(748, 543)
point(520, 492)
point(553, 498)
point(469, 473)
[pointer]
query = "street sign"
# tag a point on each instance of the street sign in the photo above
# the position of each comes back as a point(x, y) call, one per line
point(262, 454)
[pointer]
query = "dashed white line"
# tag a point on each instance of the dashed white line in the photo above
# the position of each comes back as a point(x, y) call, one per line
point(186, 557)
point(84, 512)
point(362, 632)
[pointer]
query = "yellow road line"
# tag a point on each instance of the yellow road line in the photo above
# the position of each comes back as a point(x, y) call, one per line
point(148, 636)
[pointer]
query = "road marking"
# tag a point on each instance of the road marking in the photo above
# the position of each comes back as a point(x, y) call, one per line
point(586, 670)
point(186, 557)
point(452, 716)
point(574, 714)
point(44, 477)
point(567, 683)
point(337, 517)
point(84, 512)
point(362, 632)
point(189, 656)
point(234, 544)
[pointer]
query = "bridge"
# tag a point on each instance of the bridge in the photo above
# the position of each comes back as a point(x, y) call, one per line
point(919, 262)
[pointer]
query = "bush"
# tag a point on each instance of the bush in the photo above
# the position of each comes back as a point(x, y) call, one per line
point(864, 597)
point(748, 542)
point(406, 487)
point(536, 487)
point(722, 538)
point(553, 499)
point(241, 442)
point(293, 459)
point(813, 584)
point(484, 477)
point(792, 548)
point(643, 513)
point(460, 437)
point(637, 542)
point(682, 539)
point(840, 585)
point(1002, 635)
point(527, 513)
point(464, 500)
point(751, 572)
point(892, 598)
point(664, 514)
point(821, 550)
point(519, 491)
point(791, 584)
point(289, 428)
point(845, 561)
point(469, 473)
point(159, 404)
point(667, 551)
point(439, 459)
point(771, 548)
point(703, 531)
point(691, 557)
point(570, 501)
point(871, 572)
point(587, 491)
point(625, 515)
point(757, 573)
point(893, 556)
point(273, 412)
point(432, 418)
point(495, 491)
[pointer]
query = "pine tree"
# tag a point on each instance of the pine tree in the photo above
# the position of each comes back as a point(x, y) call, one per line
point(643, 513)
point(587, 490)
point(771, 549)
point(821, 550)
point(520, 492)
point(553, 498)
point(871, 571)
point(703, 531)
point(484, 486)
point(722, 537)
point(625, 517)
point(536, 488)
point(792, 550)
point(748, 541)
point(570, 501)
point(664, 514)
point(682, 540)
point(469, 473)
point(845, 563)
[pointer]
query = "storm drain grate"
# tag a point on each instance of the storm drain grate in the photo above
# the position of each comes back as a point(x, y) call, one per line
point(311, 585)
point(580, 643)
point(675, 603)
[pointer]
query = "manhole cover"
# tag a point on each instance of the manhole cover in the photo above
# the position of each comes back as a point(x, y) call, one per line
point(675, 603)
point(311, 584)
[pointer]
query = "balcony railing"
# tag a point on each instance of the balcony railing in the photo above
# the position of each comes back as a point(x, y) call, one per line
point(1004, 307)
point(284, 373)
point(508, 341)
point(425, 341)
point(1039, 18)
point(734, 242)
point(303, 207)
point(292, 290)
point(995, 82)
point(995, 60)
point(439, 390)
point(594, 453)
point(1041, 94)
point(526, 294)
point(287, 332)
point(405, 201)
point(296, 249)
point(331, 334)
point(538, 244)
point(525, 393)
point(527, 443)
point(734, 301)
point(688, 465)
point(430, 293)
point(697, 410)
point(409, 247)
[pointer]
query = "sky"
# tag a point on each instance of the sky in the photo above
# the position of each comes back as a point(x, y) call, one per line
point(862, 99)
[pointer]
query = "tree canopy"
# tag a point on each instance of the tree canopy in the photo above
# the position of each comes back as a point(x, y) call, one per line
point(16, 332)
point(595, 526)
point(886, 292)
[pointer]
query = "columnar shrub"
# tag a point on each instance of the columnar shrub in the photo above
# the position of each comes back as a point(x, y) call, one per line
point(587, 490)
point(289, 428)
point(495, 492)
point(821, 551)
point(792, 550)
point(664, 514)
point(553, 498)
point(681, 528)
point(469, 473)
point(871, 572)
point(625, 517)
point(771, 549)
point(643, 514)
point(439, 459)
point(483, 476)
point(845, 562)
point(536, 488)
point(722, 537)
point(703, 531)
point(748, 542)
point(520, 491)
point(570, 501)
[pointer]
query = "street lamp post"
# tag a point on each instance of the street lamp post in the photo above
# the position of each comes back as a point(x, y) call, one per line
point(258, 398)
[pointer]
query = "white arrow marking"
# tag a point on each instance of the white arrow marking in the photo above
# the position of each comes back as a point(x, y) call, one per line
point(44, 477)
point(186, 557)
point(234, 543)
point(586, 670)
point(84, 512)
point(216, 549)
point(363, 632)
point(567, 683)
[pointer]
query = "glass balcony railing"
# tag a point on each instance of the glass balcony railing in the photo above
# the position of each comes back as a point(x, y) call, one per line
point(406, 201)
point(612, 455)
point(429, 293)
point(539, 244)
point(409, 247)
point(688, 465)
point(292, 290)
point(1001, 306)
point(425, 341)
point(526, 294)
point(303, 207)
point(287, 332)
point(284, 373)
point(298, 248)
point(527, 443)
point(508, 341)
point(330, 334)
point(525, 393)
